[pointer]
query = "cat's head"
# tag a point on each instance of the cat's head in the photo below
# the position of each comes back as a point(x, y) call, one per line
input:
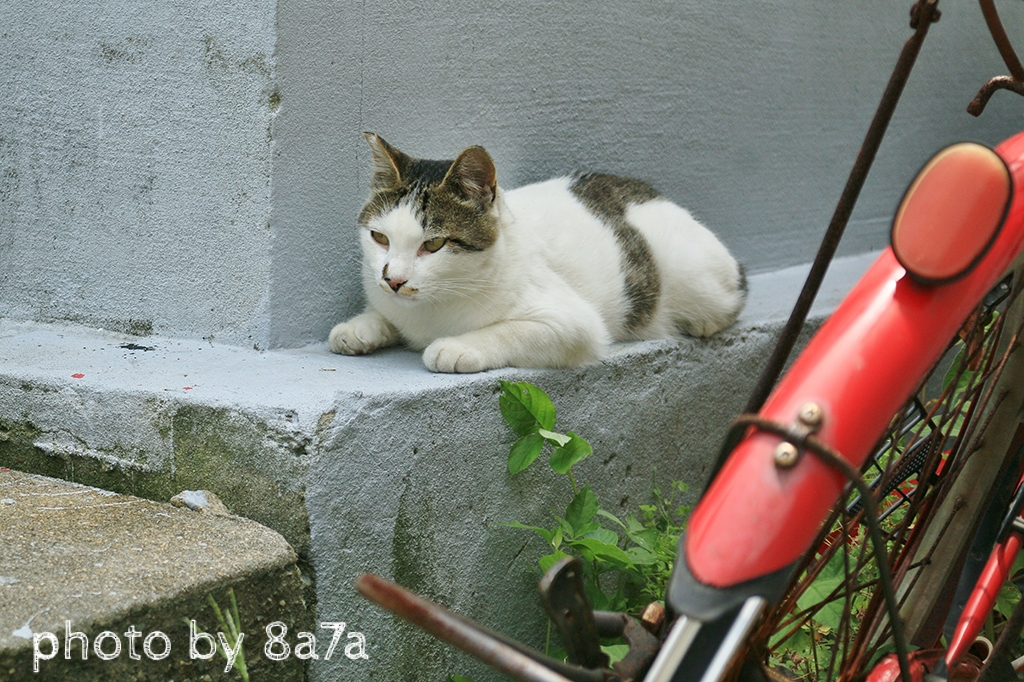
point(428, 224)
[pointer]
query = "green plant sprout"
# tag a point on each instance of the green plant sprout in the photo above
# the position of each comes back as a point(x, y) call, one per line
point(626, 563)
point(230, 625)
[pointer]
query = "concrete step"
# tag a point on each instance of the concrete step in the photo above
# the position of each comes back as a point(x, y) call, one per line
point(129, 575)
point(374, 463)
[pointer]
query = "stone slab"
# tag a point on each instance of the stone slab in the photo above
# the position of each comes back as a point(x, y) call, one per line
point(81, 559)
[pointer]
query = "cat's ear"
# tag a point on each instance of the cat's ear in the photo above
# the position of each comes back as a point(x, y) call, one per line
point(388, 163)
point(472, 175)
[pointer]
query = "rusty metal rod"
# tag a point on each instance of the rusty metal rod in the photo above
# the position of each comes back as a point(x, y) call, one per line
point(1006, 51)
point(923, 14)
point(977, 105)
point(471, 638)
point(1013, 82)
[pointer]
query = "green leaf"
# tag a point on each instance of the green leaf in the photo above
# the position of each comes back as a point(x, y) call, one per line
point(581, 510)
point(648, 538)
point(1007, 599)
point(548, 560)
point(600, 601)
point(616, 652)
point(633, 525)
point(543, 532)
point(612, 517)
point(830, 613)
point(602, 534)
point(554, 437)
point(525, 450)
point(954, 368)
point(524, 406)
point(575, 450)
point(459, 678)
point(641, 556)
point(604, 551)
point(800, 641)
point(566, 527)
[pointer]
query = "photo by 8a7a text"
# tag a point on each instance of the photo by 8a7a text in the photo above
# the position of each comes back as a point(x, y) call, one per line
point(156, 645)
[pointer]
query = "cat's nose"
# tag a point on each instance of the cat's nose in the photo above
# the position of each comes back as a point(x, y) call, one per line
point(395, 283)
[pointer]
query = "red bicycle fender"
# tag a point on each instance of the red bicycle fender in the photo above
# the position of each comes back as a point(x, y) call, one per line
point(756, 517)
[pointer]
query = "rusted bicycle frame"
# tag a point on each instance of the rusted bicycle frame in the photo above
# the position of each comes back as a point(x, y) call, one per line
point(561, 591)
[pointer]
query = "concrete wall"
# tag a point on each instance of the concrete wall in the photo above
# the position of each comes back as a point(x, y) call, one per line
point(369, 463)
point(135, 165)
point(749, 116)
point(191, 168)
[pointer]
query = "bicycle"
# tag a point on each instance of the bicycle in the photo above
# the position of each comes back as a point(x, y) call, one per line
point(790, 500)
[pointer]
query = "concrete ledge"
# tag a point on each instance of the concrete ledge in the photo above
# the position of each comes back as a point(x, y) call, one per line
point(373, 463)
point(80, 559)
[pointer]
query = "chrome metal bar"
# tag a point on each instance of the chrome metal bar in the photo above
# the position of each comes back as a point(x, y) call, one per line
point(678, 642)
point(735, 638)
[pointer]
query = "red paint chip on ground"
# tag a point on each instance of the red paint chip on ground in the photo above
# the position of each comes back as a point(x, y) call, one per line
point(187, 388)
point(77, 376)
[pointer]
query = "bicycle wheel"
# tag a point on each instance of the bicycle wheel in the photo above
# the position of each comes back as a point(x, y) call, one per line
point(954, 447)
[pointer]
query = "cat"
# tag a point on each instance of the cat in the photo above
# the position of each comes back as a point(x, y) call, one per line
point(546, 275)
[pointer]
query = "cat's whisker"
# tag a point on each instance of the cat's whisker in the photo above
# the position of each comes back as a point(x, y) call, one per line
point(474, 293)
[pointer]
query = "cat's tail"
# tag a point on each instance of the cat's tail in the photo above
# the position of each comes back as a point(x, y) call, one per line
point(710, 309)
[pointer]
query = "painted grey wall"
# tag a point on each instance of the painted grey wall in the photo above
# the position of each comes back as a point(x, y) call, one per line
point(135, 165)
point(750, 115)
point(190, 168)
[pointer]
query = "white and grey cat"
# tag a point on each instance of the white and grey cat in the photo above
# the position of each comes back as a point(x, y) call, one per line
point(546, 275)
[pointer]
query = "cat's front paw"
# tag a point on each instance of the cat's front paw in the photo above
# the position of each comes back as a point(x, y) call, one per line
point(451, 355)
point(361, 335)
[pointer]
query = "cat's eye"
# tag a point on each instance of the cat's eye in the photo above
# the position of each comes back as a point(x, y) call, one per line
point(379, 237)
point(435, 244)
